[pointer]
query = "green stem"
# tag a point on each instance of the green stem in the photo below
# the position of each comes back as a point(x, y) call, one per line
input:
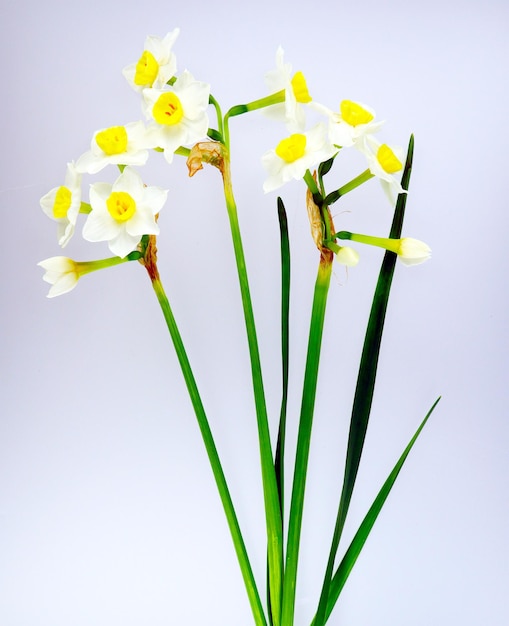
point(380, 242)
point(240, 109)
point(210, 447)
point(270, 491)
point(219, 114)
point(304, 436)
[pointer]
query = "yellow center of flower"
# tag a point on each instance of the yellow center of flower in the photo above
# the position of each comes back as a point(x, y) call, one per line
point(292, 148)
point(147, 69)
point(168, 109)
point(388, 160)
point(121, 206)
point(112, 140)
point(62, 202)
point(300, 88)
point(353, 114)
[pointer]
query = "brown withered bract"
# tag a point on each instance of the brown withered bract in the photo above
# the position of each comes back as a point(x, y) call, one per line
point(315, 220)
point(208, 152)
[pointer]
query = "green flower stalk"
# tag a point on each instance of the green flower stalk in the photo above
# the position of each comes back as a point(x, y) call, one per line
point(410, 251)
point(150, 262)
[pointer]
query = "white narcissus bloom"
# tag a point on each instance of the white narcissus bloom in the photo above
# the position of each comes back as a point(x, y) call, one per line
point(296, 93)
point(62, 273)
point(156, 65)
point(347, 256)
point(123, 212)
point(117, 145)
point(353, 122)
point(179, 114)
point(412, 251)
point(294, 155)
point(384, 162)
point(62, 204)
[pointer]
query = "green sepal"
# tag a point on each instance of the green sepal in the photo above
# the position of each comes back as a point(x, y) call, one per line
point(215, 134)
point(332, 197)
point(324, 168)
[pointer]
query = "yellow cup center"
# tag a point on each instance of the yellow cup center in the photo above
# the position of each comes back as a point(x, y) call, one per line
point(354, 114)
point(147, 69)
point(388, 160)
point(292, 148)
point(300, 88)
point(112, 140)
point(168, 109)
point(62, 202)
point(121, 206)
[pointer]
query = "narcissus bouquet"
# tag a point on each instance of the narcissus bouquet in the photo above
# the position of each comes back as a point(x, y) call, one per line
point(183, 120)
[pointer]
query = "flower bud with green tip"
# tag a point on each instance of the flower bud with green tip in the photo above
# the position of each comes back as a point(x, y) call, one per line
point(63, 273)
point(410, 251)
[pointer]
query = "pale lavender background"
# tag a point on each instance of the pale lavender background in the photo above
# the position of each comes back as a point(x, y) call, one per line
point(108, 512)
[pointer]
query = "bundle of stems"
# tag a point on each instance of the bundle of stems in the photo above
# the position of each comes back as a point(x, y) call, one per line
point(283, 543)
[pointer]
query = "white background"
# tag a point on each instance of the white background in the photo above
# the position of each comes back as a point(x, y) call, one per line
point(108, 511)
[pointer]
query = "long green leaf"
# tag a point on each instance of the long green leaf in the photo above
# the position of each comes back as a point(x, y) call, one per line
point(285, 312)
point(365, 385)
point(355, 547)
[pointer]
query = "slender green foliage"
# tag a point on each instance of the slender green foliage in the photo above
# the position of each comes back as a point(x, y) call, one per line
point(365, 385)
point(357, 543)
point(285, 312)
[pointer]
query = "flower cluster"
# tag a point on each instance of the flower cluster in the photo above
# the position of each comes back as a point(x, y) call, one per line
point(353, 125)
point(175, 107)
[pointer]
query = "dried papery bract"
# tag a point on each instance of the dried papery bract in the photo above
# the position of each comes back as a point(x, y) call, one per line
point(205, 152)
point(316, 223)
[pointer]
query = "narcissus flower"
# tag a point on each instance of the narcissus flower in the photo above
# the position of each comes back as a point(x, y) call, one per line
point(347, 256)
point(385, 161)
point(62, 204)
point(123, 212)
point(62, 273)
point(156, 65)
point(294, 155)
point(179, 114)
point(296, 93)
point(353, 122)
point(412, 251)
point(117, 145)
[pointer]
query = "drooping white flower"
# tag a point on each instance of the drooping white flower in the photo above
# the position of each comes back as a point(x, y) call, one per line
point(62, 204)
point(117, 145)
point(412, 251)
point(294, 155)
point(123, 212)
point(156, 65)
point(384, 161)
point(351, 124)
point(296, 93)
point(178, 113)
point(347, 256)
point(62, 273)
